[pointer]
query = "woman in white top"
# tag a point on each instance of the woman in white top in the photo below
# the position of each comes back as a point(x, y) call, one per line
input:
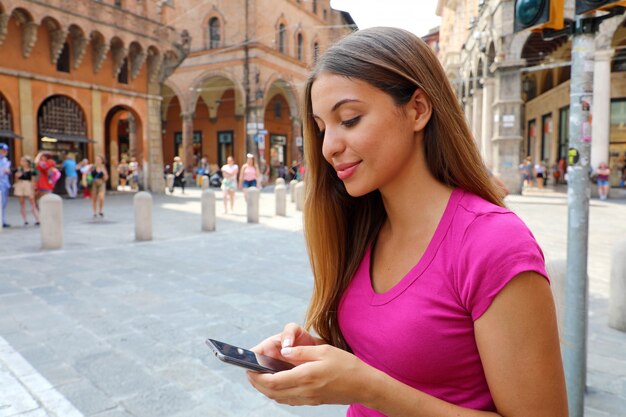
point(229, 182)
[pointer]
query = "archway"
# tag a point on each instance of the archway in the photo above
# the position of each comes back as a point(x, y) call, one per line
point(122, 141)
point(7, 135)
point(278, 127)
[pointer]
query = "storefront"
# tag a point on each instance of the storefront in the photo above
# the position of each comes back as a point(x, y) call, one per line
point(617, 141)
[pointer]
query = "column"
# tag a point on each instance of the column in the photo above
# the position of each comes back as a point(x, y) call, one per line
point(296, 141)
point(187, 155)
point(27, 118)
point(507, 135)
point(97, 128)
point(154, 173)
point(486, 149)
point(467, 107)
point(601, 107)
point(477, 115)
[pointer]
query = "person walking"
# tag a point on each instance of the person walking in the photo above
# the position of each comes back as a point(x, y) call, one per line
point(178, 169)
point(71, 176)
point(526, 171)
point(229, 182)
point(5, 181)
point(430, 298)
point(24, 188)
point(133, 174)
point(540, 174)
point(84, 167)
point(122, 172)
point(45, 166)
point(602, 180)
point(99, 176)
point(248, 174)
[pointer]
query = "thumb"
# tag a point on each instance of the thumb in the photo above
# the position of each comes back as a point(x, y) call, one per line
point(301, 354)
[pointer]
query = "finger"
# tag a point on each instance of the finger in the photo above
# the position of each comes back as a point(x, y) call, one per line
point(301, 354)
point(290, 332)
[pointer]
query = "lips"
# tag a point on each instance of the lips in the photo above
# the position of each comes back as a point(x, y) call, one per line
point(345, 171)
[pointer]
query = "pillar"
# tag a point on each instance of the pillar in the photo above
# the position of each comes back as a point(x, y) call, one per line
point(477, 115)
point(51, 217)
point(507, 135)
point(27, 118)
point(187, 155)
point(486, 149)
point(601, 107)
point(153, 175)
point(142, 202)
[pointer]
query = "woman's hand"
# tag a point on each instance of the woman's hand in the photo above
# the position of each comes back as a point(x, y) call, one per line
point(323, 375)
point(292, 335)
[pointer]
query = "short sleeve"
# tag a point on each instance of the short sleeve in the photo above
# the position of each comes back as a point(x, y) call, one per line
point(496, 248)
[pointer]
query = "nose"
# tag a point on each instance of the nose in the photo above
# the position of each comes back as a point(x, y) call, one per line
point(333, 144)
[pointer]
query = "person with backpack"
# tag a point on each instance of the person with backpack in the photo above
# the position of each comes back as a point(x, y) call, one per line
point(48, 174)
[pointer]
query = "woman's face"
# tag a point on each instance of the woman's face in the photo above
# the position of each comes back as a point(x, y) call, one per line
point(99, 160)
point(24, 163)
point(230, 160)
point(367, 138)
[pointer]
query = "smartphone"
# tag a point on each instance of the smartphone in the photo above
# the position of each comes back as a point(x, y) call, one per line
point(246, 358)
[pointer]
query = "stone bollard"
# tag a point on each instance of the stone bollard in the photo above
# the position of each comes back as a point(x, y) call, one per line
point(556, 269)
point(299, 192)
point(208, 210)
point(280, 181)
point(281, 199)
point(292, 190)
point(617, 295)
point(205, 182)
point(169, 182)
point(252, 203)
point(51, 221)
point(143, 215)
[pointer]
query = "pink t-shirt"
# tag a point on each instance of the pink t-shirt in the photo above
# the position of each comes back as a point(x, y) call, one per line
point(421, 332)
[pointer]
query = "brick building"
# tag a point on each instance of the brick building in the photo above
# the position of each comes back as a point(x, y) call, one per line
point(84, 77)
point(240, 88)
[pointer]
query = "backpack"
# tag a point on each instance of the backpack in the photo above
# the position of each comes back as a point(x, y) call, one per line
point(53, 176)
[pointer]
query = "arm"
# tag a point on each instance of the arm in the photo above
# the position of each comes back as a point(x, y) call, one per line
point(243, 168)
point(518, 342)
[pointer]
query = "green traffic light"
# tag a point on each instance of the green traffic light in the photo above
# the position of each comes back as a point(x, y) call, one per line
point(528, 11)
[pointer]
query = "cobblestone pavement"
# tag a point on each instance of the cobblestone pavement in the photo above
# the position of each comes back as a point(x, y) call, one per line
point(109, 327)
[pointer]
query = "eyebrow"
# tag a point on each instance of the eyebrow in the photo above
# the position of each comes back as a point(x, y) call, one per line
point(339, 104)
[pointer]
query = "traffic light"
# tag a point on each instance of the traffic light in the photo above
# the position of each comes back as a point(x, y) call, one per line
point(539, 14)
point(586, 6)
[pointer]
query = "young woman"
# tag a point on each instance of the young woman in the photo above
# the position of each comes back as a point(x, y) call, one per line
point(24, 188)
point(229, 182)
point(45, 166)
point(430, 298)
point(248, 174)
point(99, 176)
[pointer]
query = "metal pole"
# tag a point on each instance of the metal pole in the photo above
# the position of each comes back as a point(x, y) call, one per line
point(576, 285)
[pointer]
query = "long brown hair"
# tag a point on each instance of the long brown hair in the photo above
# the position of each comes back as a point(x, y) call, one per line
point(338, 227)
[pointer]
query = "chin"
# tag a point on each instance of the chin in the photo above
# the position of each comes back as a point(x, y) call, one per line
point(357, 190)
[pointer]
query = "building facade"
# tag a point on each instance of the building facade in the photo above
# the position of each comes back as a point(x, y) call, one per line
point(515, 87)
point(239, 90)
point(84, 78)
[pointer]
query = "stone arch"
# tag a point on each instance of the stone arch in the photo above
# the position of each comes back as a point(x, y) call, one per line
point(28, 28)
point(7, 134)
point(78, 43)
point(517, 45)
point(58, 35)
point(491, 57)
point(99, 49)
point(119, 54)
point(136, 57)
point(210, 86)
point(155, 61)
point(123, 139)
point(293, 99)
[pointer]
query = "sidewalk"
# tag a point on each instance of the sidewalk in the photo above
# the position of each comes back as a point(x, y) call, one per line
point(109, 327)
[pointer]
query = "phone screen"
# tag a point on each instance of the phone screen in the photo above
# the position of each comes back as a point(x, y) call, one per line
point(246, 358)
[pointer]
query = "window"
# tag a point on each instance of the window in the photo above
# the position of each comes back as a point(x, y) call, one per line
point(214, 33)
point(282, 34)
point(300, 47)
point(316, 52)
point(118, 3)
point(278, 109)
point(63, 62)
point(315, 6)
point(122, 77)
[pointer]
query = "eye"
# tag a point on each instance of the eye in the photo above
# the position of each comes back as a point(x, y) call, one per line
point(351, 122)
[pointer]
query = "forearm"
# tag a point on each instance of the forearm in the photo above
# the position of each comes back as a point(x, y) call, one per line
point(395, 399)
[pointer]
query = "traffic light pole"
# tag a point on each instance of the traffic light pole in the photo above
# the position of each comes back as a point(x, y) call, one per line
point(576, 285)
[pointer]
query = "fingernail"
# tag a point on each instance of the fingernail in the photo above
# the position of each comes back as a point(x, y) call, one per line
point(286, 351)
point(286, 343)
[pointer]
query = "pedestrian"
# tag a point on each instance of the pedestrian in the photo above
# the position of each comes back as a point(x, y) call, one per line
point(5, 181)
point(602, 180)
point(526, 171)
point(100, 176)
point(293, 170)
point(133, 173)
point(430, 298)
point(178, 169)
point(24, 188)
point(229, 182)
point(562, 168)
point(248, 174)
point(122, 172)
point(203, 170)
point(71, 176)
point(46, 179)
point(84, 167)
point(540, 174)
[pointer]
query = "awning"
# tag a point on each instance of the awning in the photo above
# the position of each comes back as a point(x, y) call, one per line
point(66, 138)
point(9, 134)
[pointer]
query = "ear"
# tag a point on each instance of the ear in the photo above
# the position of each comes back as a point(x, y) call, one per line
point(421, 109)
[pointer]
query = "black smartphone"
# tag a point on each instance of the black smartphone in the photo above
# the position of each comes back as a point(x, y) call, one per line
point(246, 358)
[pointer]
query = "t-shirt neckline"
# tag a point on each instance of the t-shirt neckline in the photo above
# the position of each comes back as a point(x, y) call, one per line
point(417, 270)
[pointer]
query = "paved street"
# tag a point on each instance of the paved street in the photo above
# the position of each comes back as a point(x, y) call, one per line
point(109, 327)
